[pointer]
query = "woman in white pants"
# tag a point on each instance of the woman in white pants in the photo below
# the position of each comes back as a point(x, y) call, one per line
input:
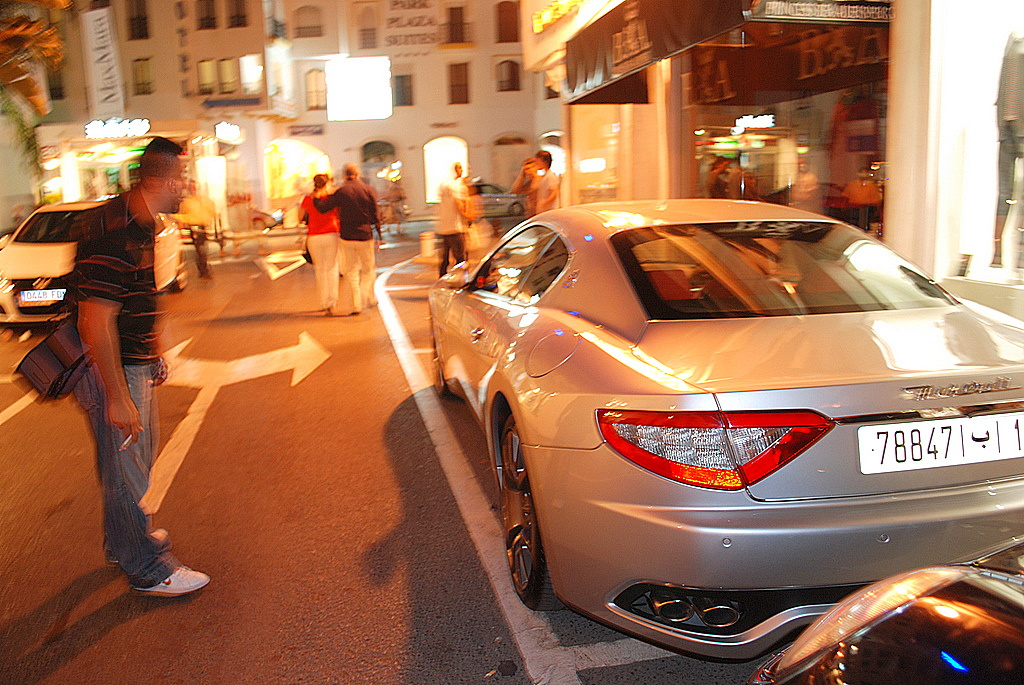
point(322, 238)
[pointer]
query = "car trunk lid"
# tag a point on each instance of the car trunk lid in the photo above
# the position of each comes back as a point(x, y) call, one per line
point(880, 376)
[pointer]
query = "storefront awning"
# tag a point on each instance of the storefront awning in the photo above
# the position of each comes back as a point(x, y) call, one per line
point(634, 35)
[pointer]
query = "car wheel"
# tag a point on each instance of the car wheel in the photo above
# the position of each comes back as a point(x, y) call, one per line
point(523, 547)
point(441, 384)
point(515, 209)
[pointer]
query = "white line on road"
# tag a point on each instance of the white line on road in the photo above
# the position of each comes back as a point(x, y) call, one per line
point(12, 411)
point(545, 661)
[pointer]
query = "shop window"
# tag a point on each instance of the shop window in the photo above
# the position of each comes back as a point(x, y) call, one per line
point(142, 77)
point(508, 76)
point(308, 22)
point(401, 88)
point(207, 76)
point(458, 83)
point(237, 15)
point(316, 89)
point(507, 20)
point(138, 20)
point(206, 15)
point(227, 74)
point(367, 29)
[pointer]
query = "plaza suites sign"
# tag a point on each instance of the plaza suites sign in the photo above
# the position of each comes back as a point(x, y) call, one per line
point(411, 23)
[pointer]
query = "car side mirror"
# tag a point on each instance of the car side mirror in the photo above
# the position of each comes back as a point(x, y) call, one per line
point(457, 277)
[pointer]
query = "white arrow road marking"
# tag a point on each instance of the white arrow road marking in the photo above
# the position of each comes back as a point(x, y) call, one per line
point(292, 258)
point(210, 376)
point(12, 411)
point(545, 661)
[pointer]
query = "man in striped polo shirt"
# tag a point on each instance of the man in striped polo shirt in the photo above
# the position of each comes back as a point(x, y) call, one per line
point(117, 318)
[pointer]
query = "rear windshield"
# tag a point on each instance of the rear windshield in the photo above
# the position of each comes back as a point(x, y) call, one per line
point(48, 227)
point(768, 268)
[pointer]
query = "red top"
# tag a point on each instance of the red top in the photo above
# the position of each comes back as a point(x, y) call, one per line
point(318, 222)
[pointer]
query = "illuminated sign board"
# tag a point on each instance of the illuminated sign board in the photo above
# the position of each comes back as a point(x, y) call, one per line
point(117, 128)
point(760, 121)
point(543, 18)
point(228, 132)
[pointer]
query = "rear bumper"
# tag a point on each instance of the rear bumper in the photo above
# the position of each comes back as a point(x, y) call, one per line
point(609, 526)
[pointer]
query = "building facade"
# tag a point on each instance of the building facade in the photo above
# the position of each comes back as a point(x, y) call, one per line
point(266, 93)
point(899, 116)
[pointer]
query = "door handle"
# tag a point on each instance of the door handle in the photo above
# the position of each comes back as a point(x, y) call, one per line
point(476, 334)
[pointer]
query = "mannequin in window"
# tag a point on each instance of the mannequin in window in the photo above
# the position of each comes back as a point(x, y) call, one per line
point(1010, 119)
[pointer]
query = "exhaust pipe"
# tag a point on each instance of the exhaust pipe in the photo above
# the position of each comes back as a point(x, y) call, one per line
point(716, 613)
point(670, 607)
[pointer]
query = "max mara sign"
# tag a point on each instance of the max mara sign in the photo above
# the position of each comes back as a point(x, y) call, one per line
point(106, 87)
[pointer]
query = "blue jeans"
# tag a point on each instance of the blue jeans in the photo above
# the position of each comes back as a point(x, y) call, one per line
point(124, 476)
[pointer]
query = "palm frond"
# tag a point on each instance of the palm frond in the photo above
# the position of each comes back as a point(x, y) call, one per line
point(25, 133)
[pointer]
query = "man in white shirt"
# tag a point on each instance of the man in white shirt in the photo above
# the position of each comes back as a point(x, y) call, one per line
point(547, 184)
point(451, 223)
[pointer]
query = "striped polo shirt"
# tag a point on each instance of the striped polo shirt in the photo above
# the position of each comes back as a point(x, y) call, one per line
point(115, 262)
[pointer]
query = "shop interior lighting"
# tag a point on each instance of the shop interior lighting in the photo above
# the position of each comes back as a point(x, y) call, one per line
point(593, 165)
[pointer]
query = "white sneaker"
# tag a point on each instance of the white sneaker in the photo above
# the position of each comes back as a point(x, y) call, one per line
point(181, 582)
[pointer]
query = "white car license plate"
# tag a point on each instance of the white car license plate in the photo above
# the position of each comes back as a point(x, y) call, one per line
point(913, 445)
point(41, 298)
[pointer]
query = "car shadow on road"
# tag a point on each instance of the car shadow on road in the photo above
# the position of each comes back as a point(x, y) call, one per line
point(457, 633)
point(40, 643)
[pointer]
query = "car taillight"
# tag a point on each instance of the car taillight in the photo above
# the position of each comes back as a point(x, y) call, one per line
point(723, 451)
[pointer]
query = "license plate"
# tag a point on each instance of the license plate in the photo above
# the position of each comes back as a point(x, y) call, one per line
point(913, 445)
point(41, 298)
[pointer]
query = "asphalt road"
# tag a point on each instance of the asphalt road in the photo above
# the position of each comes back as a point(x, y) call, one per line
point(309, 472)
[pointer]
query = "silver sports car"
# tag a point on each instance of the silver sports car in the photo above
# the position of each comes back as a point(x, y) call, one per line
point(710, 420)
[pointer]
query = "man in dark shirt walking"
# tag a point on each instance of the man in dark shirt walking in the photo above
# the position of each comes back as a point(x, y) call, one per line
point(117, 320)
point(356, 203)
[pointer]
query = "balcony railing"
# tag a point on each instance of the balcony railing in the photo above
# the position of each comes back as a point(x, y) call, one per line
point(456, 32)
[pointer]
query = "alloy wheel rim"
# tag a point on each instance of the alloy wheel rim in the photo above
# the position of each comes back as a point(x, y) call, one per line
point(517, 512)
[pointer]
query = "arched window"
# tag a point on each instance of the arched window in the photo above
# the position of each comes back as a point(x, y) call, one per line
point(309, 22)
point(507, 21)
point(379, 151)
point(316, 89)
point(508, 75)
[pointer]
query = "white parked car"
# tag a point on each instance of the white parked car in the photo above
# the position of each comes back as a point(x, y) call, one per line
point(38, 257)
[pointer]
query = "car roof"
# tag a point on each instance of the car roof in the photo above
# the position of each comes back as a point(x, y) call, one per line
point(608, 218)
point(68, 207)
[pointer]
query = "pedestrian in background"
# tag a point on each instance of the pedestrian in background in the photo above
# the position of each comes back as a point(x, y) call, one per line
point(198, 213)
point(117, 319)
point(356, 204)
point(548, 184)
point(526, 185)
point(323, 242)
point(451, 222)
